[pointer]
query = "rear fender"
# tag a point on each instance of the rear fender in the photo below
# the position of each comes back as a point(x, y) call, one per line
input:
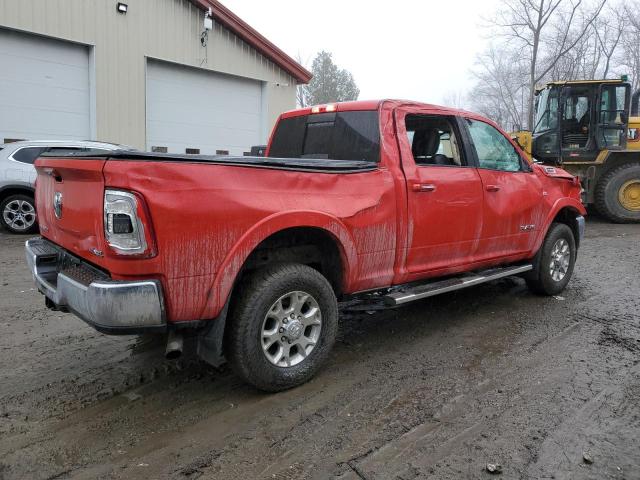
point(230, 268)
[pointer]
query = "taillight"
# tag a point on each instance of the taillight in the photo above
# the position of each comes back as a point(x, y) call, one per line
point(127, 227)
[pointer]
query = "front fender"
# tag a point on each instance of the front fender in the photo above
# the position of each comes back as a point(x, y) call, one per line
point(561, 203)
point(236, 257)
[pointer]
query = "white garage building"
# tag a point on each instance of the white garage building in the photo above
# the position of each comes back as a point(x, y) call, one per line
point(181, 76)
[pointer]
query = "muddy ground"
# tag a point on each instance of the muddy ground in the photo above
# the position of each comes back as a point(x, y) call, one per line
point(435, 390)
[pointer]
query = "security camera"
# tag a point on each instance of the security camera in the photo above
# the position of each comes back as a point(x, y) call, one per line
point(208, 20)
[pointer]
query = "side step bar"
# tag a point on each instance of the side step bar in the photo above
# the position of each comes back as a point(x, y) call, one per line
point(430, 289)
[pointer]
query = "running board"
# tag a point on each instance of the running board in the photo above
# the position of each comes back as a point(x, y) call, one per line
point(430, 289)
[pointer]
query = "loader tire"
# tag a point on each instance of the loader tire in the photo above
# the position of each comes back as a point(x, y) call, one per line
point(617, 195)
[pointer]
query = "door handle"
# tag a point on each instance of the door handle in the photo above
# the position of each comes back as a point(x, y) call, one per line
point(423, 187)
point(492, 188)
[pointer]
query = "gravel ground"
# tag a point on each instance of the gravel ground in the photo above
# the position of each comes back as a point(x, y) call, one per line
point(438, 389)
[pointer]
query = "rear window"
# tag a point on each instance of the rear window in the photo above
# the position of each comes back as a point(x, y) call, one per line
point(28, 154)
point(335, 136)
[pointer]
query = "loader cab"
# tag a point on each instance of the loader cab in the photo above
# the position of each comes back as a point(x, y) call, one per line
point(575, 121)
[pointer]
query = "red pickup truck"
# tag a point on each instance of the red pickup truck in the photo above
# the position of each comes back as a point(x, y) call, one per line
point(377, 203)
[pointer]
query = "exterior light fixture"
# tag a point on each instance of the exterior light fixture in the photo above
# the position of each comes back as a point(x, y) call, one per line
point(122, 8)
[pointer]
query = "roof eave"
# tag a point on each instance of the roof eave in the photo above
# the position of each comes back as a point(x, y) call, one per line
point(250, 35)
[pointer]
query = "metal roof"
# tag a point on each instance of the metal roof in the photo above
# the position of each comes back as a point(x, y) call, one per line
point(247, 33)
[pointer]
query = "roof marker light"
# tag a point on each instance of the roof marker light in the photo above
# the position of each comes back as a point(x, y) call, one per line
point(332, 107)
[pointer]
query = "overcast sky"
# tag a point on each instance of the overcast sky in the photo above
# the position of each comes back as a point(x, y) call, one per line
point(411, 49)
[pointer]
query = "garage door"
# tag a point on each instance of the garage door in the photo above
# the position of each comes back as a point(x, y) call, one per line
point(44, 88)
point(191, 110)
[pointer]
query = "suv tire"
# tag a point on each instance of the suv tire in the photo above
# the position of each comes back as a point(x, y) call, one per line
point(18, 214)
point(553, 264)
point(282, 326)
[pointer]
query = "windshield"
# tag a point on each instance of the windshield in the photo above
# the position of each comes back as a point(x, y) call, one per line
point(546, 110)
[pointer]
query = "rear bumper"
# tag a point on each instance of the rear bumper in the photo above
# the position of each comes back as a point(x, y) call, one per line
point(110, 306)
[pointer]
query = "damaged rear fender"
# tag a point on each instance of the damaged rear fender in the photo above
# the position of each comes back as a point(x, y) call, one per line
point(237, 256)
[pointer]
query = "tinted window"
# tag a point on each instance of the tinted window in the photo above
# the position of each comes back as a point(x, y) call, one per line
point(612, 104)
point(28, 155)
point(337, 136)
point(67, 150)
point(494, 151)
point(546, 110)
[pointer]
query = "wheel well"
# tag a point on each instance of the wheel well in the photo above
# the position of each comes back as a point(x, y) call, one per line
point(306, 245)
point(7, 192)
point(568, 216)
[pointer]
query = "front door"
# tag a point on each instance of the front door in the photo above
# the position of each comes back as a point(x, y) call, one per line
point(513, 194)
point(444, 194)
point(578, 123)
point(613, 117)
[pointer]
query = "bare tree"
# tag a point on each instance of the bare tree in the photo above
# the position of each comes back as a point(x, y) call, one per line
point(455, 99)
point(302, 97)
point(608, 32)
point(501, 89)
point(546, 31)
point(630, 52)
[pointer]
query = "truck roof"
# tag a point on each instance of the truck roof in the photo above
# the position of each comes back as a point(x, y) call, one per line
point(373, 105)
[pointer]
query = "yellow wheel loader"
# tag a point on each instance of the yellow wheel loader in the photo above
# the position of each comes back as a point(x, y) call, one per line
point(592, 129)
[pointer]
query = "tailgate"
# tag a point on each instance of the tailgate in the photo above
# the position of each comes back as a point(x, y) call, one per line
point(69, 202)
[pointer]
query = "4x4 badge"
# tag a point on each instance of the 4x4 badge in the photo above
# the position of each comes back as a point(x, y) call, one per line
point(57, 204)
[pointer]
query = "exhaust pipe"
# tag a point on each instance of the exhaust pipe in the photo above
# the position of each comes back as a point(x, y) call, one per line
point(175, 342)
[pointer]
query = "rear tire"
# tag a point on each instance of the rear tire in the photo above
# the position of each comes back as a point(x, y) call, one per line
point(282, 326)
point(553, 264)
point(18, 214)
point(617, 195)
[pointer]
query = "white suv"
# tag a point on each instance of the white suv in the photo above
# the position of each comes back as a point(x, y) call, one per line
point(17, 177)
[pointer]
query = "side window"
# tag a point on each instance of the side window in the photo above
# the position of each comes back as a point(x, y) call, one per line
point(66, 150)
point(433, 141)
point(28, 155)
point(494, 151)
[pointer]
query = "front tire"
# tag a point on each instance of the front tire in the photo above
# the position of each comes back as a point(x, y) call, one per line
point(553, 264)
point(18, 214)
point(617, 195)
point(282, 326)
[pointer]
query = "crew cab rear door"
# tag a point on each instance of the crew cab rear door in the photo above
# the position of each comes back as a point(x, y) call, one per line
point(512, 207)
point(444, 193)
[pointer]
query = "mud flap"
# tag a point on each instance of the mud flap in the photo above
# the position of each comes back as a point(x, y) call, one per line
point(210, 341)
